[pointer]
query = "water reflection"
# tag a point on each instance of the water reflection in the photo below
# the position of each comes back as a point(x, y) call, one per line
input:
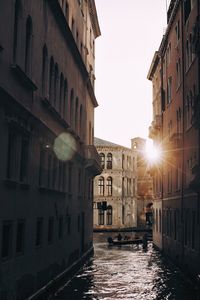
point(127, 273)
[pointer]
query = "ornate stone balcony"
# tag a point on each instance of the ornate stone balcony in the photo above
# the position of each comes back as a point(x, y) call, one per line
point(93, 162)
point(155, 127)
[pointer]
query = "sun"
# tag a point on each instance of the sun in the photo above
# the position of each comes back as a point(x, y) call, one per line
point(152, 152)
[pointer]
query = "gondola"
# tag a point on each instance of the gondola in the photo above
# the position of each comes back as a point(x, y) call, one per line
point(112, 242)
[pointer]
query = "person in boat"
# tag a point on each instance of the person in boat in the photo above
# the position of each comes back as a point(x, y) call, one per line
point(119, 237)
point(110, 240)
point(126, 238)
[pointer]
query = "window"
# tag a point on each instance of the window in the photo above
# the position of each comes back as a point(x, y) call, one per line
point(28, 45)
point(42, 166)
point(20, 239)
point(76, 116)
point(70, 178)
point(72, 108)
point(49, 169)
point(69, 224)
point(65, 100)
point(51, 79)
point(6, 243)
point(60, 227)
point(109, 215)
point(109, 186)
point(101, 216)
point(17, 19)
point(101, 186)
point(168, 54)
point(178, 72)
point(102, 158)
point(178, 120)
point(109, 161)
point(39, 231)
point(187, 9)
point(44, 71)
point(169, 90)
point(24, 159)
point(61, 94)
point(177, 30)
point(12, 155)
point(50, 230)
point(54, 174)
point(73, 27)
point(80, 120)
point(56, 77)
point(67, 11)
point(193, 229)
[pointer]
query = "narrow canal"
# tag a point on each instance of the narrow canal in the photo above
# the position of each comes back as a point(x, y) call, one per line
point(127, 272)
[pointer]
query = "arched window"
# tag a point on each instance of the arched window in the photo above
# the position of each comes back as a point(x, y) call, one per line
point(65, 101)
point(44, 70)
point(109, 186)
point(55, 84)
point(187, 55)
point(61, 93)
point(101, 216)
point(51, 79)
point(16, 38)
point(101, 186)
point(109, 215)
point(109, 161)
point(28, 45)
point(67, 11)
point(72, 108)
point(80, 121)
point(76, 116)
point(102, 157)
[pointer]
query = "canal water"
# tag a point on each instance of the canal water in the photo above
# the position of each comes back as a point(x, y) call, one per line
point(127, 272)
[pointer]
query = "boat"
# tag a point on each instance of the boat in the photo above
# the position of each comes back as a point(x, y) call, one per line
point(112, 242)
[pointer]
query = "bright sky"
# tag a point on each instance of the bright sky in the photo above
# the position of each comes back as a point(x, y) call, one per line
point(131, 31)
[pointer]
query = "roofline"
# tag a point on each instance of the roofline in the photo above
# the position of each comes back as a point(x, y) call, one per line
point(94, 18)
point(153, 65)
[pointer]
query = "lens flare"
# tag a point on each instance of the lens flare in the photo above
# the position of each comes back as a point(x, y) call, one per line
point(152, 153)
point(64, 146)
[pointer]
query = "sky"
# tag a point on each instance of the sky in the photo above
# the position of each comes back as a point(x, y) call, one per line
point(131, 32)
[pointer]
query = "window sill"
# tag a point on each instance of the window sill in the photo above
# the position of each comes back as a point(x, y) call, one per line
point(12, 183)
point(45, 101)
point(22, 76)
point(44, 189)
point(24, 186)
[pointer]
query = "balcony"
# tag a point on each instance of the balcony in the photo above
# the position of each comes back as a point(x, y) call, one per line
point(196, 115)
point(195, 181)
point(155, 127)
point(93, 162)
point(196, 37)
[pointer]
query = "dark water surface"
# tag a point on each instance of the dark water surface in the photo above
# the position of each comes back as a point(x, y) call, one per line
point(127, 272)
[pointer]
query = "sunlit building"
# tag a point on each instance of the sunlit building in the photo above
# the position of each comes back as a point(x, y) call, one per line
point(179, 59)
point(115, 189)
point(48, 160)
point(155, 134)
point(144, 189)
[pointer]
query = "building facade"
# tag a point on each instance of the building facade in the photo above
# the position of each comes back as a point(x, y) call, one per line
point(115, 189)
point(179, 57)
point(48, 160)
point(144, 184)
point(155, 134)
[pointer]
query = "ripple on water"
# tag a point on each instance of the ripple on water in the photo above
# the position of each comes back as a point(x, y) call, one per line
point(127, 273)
